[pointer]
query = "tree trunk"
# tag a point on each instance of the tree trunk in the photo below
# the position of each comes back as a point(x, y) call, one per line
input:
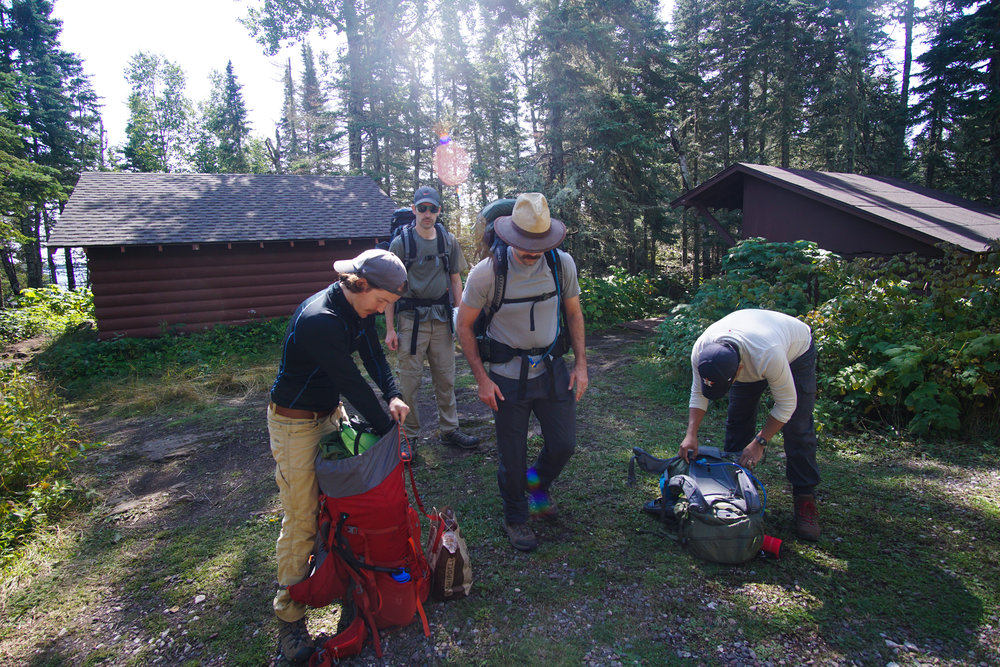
point(32, 250)
point(904, 93)
point(355, 101)
point(994, 119)
point(70, 269)
point(7, 259)
point(51, 253)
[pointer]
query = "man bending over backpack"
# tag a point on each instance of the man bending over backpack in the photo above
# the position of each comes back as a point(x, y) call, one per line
point(526, 340)
point(423, 318)
point(316, 370)
point(750, 350)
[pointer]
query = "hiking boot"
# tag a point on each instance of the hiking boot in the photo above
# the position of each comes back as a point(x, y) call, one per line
point(806, 517)
point(459, 439)
point(296, 644)
point(521, 537)
point(541, 504)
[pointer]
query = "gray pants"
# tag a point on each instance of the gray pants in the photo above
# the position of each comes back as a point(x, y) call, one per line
point(800, 431)
point(556, 415)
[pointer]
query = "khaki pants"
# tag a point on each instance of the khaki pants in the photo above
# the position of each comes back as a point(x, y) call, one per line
point(294, 447)
point(436, 343)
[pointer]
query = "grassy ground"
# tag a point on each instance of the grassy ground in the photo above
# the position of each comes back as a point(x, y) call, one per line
point(176, 565)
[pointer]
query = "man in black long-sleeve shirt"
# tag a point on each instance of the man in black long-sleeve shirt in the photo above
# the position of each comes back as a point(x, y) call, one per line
point(316, 371)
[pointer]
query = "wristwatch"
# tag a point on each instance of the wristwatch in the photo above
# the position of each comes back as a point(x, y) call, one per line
point(760, 440)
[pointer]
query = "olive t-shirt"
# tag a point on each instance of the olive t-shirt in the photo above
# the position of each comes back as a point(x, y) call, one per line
point(427, 279)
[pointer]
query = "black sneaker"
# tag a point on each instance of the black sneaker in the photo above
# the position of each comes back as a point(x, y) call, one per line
point(521, 536)
point(459, 439)
point(296, 644)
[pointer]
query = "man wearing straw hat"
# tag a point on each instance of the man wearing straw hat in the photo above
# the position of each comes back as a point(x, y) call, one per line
point(525, 340)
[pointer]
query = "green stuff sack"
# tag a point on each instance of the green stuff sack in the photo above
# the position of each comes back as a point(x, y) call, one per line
point(355, 438)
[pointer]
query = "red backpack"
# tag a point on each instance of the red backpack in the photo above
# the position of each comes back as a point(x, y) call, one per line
point(368, 547)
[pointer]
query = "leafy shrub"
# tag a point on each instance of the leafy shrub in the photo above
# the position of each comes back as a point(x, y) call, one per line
point(908, 341)
point(38, 444)
point(75, 364)
point(787, 277)
point(46, 310)
point(618, 297)
point(913, 342)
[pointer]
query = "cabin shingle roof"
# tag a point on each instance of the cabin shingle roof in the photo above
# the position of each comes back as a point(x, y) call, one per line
point(906, 208)
point(111, 208)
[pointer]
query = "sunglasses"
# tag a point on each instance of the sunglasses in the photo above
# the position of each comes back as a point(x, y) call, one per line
point(423, 208)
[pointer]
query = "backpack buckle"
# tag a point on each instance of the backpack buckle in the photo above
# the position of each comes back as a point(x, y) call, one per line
point(405, 449)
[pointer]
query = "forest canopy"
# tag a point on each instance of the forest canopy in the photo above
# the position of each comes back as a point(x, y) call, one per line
point(603, 106)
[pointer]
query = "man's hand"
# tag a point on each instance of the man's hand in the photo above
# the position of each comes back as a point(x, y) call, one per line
point(392, 340)
point(398, 409)
point(689, 448)
point(752, 454)
point(489, 393)
point(579, 378)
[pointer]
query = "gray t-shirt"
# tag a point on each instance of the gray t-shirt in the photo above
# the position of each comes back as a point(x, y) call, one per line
point(427, 279)
point(511, 324)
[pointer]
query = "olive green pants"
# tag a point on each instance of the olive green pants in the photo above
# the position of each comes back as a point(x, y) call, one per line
point(436, 344)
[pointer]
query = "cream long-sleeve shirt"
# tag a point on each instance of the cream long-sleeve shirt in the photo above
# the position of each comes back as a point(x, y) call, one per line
point(768, 342)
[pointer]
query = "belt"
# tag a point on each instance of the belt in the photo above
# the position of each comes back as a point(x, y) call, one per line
point(292, 413)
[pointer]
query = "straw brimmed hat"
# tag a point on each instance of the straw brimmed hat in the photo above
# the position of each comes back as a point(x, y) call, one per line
point(529, 227)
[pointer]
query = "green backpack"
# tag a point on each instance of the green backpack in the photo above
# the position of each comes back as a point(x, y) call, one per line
point(714, 505)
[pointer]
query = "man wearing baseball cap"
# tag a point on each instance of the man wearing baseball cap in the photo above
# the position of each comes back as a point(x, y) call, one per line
point(316, 371)
point(525, 345)
point(419, 326)
point(742, 354)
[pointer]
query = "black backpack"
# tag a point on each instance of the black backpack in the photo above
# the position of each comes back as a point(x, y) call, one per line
point(401, 217)
point(713, 506)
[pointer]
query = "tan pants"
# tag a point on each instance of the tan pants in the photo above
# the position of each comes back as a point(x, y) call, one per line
point(436, 344)
point(294, 447)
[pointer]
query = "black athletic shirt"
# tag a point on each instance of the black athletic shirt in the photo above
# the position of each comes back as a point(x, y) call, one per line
point(316, 364)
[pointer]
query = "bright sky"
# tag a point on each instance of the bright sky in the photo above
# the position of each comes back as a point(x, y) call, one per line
point(198, 35)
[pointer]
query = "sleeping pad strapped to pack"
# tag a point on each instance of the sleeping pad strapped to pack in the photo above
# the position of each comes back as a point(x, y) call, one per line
point(368, 546)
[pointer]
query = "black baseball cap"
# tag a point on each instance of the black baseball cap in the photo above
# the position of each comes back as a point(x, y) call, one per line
point(425, 194)
point(717, 366)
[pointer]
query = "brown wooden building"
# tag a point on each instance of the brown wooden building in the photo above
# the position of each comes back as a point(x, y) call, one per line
point(183, 252)
point(847, 214)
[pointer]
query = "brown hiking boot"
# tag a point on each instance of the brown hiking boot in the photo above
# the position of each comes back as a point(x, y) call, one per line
point(806, 517)
point(296, 644)
point(521, 537)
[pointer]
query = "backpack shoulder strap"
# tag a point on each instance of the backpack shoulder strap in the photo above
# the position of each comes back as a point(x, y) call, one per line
point(444, 245)
point(409, 246)
point(499, 281)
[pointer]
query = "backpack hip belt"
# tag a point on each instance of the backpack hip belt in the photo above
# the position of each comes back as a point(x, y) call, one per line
point(413, 303)
point(493, 351)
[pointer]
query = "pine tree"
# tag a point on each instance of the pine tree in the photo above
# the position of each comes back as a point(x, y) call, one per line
point(49, 112)
point(230, 126)
point(960, 100)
